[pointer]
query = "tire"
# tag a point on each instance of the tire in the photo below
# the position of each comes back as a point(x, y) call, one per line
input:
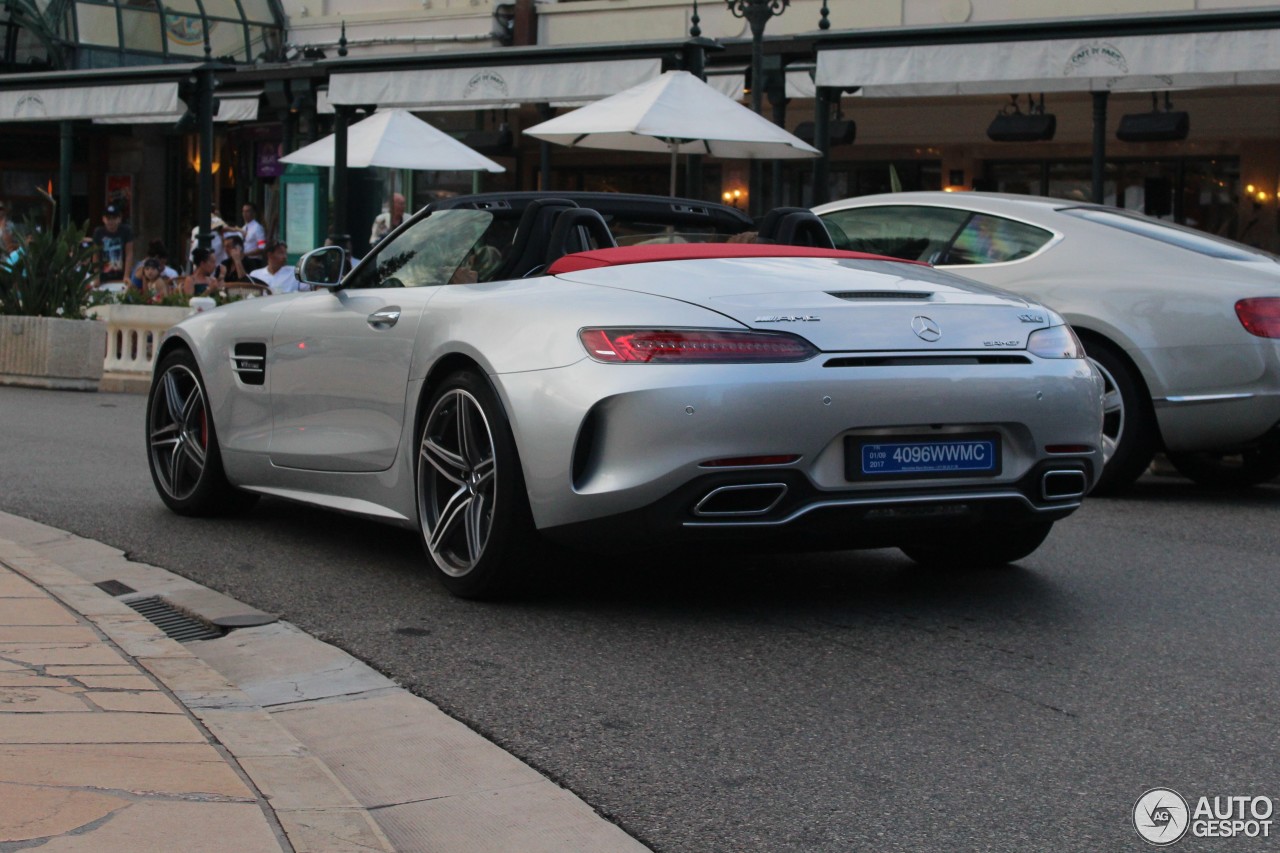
point(1129, 435)
point(1241, 470)
point(473, 509)
point(182, 444)
point(986, 546)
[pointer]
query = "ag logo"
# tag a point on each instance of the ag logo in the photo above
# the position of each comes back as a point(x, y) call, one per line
point(1161, 816)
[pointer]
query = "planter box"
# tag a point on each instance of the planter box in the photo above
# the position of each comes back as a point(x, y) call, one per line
point(48, 352)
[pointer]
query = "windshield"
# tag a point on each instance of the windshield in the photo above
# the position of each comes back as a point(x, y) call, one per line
point(1170, 234)
point(446, 247)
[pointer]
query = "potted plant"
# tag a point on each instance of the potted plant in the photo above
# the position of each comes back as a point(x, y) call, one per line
point(45, 340)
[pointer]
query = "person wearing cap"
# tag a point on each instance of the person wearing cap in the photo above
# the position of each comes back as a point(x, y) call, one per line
point(154, 283)
point(115, 246)
point(156, 250)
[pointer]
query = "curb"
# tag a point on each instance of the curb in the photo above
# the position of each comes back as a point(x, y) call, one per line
point(346, 758)
point(318, 813)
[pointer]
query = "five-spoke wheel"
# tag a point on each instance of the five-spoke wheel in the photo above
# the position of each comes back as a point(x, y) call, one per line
point(182, 445)
point(472, 505)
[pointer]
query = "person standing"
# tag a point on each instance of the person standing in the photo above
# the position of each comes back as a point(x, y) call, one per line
point(252, 233)
point(388, 221)
point(277, 274)
point(115, 247)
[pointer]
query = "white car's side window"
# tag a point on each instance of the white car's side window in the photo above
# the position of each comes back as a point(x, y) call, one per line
point(993, 239)
point(910, 232)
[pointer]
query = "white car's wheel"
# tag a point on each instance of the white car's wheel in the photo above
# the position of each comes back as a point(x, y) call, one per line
point(1128, 425)
point(472, 506)
point(182, 445)
point(986, 546)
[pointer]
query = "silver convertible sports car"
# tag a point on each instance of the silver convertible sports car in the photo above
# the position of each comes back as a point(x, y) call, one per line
point(1184, 327)
point(498, 371)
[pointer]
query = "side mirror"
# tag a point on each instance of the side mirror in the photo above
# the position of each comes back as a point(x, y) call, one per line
point(323, 267)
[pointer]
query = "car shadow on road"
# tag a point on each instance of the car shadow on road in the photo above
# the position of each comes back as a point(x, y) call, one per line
point(822, 584)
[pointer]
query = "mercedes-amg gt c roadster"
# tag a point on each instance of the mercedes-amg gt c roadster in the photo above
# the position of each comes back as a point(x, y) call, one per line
point(499, 371)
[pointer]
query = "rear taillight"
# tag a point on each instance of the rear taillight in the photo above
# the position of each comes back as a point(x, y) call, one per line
point(1260, 316)
point(692, 346)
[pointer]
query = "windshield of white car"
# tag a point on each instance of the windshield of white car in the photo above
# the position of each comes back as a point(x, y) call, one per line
point(446, 247)
point(1171, 234)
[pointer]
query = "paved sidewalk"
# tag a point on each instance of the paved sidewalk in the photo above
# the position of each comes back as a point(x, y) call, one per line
point(115, 737)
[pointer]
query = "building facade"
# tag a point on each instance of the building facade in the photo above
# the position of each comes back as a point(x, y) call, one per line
point(908, 88)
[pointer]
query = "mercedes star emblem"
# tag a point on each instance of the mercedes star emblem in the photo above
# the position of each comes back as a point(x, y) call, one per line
point(925, 328)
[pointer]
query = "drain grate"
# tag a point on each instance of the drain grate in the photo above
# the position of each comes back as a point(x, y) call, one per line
point(115, 588)
point(176, 624)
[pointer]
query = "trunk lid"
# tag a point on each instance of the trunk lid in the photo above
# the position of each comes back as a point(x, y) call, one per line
point(840, 305)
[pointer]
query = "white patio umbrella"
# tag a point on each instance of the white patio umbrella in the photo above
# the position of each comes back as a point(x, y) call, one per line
point(396, 139)
point(675, 112)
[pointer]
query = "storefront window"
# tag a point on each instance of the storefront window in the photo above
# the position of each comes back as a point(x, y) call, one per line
point(1199, 192)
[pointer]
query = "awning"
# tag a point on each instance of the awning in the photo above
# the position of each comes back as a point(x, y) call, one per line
point(732, 83)
point(1123, 63)
point(136, 101)
point(492, 87)
point(232, 106)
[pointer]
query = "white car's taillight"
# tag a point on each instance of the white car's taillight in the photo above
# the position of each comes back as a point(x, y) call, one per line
point(1260, 316)
point(692, 346)
point(1055, 342)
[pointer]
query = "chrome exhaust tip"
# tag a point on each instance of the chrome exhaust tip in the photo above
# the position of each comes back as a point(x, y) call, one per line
point(748, 499)
point(1063, 485)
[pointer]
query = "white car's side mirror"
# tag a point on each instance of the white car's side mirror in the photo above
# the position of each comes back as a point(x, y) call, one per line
point(323, 267)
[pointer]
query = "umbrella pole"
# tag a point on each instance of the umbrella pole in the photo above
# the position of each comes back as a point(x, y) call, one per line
point(675, 154)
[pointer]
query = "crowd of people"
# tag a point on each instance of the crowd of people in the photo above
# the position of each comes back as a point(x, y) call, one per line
point(239, 260)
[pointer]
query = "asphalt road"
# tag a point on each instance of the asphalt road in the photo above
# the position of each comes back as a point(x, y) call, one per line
point(830, 702)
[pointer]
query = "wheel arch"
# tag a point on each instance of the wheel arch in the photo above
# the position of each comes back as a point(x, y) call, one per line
point(443, 367)
point(1089, 336)
point(171, 343)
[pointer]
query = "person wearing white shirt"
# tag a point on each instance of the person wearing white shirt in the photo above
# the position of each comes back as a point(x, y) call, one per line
point(255, 236)
point(277, 274)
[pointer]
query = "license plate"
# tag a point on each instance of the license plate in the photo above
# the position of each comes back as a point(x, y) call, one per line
point(922, 456)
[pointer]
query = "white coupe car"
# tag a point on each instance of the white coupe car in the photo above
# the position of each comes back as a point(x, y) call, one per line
point(497, 370)
point(1183, 326)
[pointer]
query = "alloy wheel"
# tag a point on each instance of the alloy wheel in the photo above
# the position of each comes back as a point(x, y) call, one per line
point(457, 480)
point(179, 432)
point(1112, 413)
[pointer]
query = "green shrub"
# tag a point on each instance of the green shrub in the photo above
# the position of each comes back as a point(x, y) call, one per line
point(52, 275)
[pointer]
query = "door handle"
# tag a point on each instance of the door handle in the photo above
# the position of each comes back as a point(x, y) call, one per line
point(384, 319)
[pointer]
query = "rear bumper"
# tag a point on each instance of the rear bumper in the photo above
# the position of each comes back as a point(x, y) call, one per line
point(782, 505)
point(601, 441)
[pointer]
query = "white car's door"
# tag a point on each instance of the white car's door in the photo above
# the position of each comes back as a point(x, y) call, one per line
point(340, 360)
point(340, 364)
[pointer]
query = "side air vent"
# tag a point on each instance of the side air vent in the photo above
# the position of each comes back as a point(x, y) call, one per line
point(923, 360)
point(249, 361)
point(880, 294)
